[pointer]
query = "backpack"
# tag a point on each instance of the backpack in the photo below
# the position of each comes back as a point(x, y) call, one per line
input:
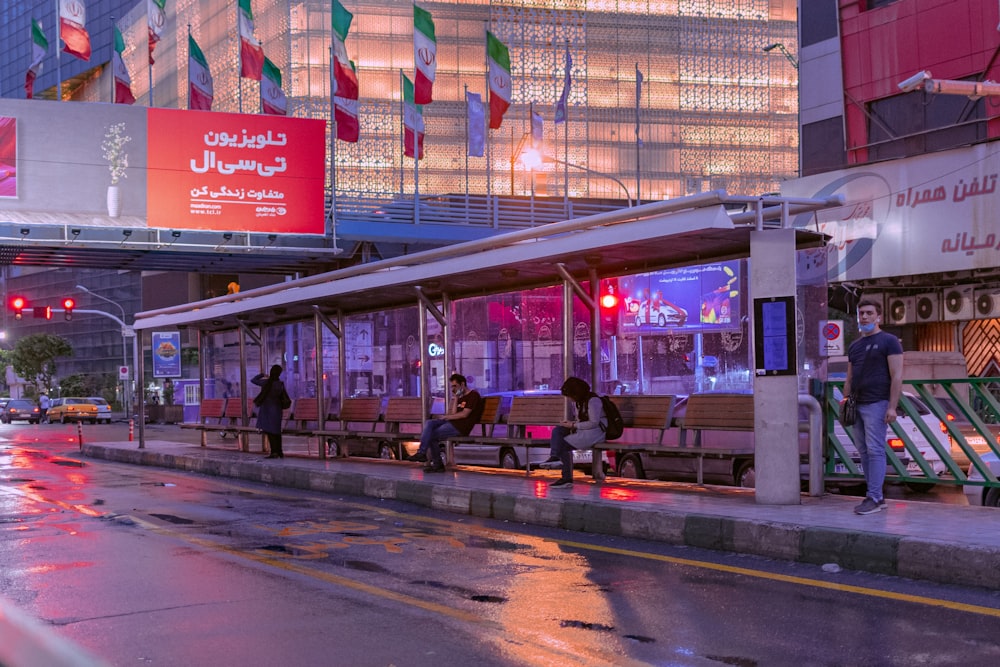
point(616, 425)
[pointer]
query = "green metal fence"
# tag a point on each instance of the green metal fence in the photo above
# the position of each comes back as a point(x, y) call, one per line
point(945, 445)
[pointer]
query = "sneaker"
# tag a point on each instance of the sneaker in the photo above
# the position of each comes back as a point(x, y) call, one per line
point(434, 469)
point(549, 465)
point(869, 506)
point(561, 482)
point(551, 459)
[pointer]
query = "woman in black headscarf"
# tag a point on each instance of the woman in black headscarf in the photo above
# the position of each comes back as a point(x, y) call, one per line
point(270, 402)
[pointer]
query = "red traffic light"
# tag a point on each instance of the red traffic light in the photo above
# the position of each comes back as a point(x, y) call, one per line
point(68, 305)
point(609, 301)
point(18, 304)
point(42, 312)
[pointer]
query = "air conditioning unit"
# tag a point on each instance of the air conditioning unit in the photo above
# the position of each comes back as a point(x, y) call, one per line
point(959, 303)
point(928, 307)
point(987, 303)
point(900, 310)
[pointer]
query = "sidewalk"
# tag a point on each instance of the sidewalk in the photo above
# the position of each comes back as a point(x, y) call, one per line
point(936, 542)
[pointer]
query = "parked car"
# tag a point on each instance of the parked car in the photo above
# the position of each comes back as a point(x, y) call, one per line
point(72, 409)
point(103, 408)
point(973, 436)
point(21, 409)
point(983, 495)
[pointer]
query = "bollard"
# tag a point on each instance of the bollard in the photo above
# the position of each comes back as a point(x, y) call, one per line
point(79, 433)
point(131, 429)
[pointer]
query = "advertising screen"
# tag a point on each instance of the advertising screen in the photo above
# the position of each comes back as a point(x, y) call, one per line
point(686, 300)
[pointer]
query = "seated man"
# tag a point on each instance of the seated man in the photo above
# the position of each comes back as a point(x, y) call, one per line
point(467, 408)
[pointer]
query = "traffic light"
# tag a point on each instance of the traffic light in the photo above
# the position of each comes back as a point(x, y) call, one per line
point(610, 305)
point(42, 312)
point(18, 304)
point(68, 305)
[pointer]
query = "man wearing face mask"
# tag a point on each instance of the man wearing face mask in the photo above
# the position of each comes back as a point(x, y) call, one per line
point(875, 375)
point(465, 412)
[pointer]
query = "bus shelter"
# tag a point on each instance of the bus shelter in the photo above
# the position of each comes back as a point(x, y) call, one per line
point(522, 311)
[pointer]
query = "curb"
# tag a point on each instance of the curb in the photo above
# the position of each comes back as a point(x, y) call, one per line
point(915, 558)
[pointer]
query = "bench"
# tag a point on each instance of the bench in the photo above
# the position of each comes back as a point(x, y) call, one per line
point(487, 424)
point(714, 412)
point(525, 411)
point(304, 411)
point(209, 408)
point(646, 419)
point(358, 418)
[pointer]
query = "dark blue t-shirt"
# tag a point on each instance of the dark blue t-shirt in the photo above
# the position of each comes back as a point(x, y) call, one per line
point(870, 378)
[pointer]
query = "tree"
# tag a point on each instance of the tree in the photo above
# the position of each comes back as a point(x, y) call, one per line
point(34, 358)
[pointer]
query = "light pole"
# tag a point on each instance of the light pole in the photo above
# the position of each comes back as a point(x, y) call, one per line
point(784, 52)
point(532, 157)
point(124, 330)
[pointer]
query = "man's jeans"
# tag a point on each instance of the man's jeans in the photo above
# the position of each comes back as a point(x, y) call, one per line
point(869, 436)
point(435, 432)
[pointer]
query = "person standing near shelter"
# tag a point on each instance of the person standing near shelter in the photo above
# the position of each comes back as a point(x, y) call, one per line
point(460, 420)
point(875, 375)
point(270, 402)
point(583, 433)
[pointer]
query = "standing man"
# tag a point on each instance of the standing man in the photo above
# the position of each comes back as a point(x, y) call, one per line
point(460, 420)
point(875, 375)
point(43, 406)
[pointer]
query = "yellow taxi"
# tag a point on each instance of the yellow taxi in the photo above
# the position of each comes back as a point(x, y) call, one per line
point(71, 409)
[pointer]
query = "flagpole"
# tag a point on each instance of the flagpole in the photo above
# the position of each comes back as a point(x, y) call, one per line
point(638, 141)
point(114, 92)
point(189, 65)
point(402, 135)
point(489, 144)
point(149, 59)
point(239, 61)
point(465, 89)
point(566, 143)
point(333, 148)
point(58, 51)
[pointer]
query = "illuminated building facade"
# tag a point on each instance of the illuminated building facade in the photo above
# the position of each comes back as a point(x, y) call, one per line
point(714, 111)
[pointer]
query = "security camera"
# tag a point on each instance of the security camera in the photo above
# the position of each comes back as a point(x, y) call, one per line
point(914, 81)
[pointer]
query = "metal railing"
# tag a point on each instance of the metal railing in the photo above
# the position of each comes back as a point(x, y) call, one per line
point(968, 416)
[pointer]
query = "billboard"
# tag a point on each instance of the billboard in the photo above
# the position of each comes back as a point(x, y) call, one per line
point(91, 164)
point(687, 300)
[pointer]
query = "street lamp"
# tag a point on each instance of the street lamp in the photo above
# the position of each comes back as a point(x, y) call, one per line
point(784, 52)
point(121, 322)
point(532, 158)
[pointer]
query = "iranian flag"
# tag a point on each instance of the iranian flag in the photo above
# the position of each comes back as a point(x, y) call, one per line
point(251, 52)
point(39, 47)
point(156, 16)
point(72, 28)
point(346, 118)
point(499, 66)
point(272, 97)
point(424, 55)
point(413, 123)
point(345, 79)
point(200, 88)
point(123, 82)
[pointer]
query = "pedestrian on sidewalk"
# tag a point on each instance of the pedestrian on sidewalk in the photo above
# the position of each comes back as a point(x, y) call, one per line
point(582, 433)
point(875, 376)
point(270, 402)
point(466, 411)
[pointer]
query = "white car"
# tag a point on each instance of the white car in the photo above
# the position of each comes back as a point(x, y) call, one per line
point(661, 313)
point(103, 409)
point(983, 495)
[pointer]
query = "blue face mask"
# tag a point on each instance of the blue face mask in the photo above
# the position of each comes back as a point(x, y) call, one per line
point(866, 328)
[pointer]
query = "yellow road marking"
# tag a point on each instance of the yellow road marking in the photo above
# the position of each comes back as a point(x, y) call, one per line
point(786, 578)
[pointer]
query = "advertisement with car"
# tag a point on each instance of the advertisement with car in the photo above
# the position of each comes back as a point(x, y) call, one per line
point(688, 300)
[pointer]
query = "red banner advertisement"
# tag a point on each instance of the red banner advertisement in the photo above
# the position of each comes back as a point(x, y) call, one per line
point(235, 172)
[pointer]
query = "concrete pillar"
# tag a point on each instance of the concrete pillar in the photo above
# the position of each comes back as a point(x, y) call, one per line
point(776, 457)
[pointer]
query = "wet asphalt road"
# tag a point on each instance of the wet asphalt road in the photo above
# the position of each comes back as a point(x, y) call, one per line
point(147, 566)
